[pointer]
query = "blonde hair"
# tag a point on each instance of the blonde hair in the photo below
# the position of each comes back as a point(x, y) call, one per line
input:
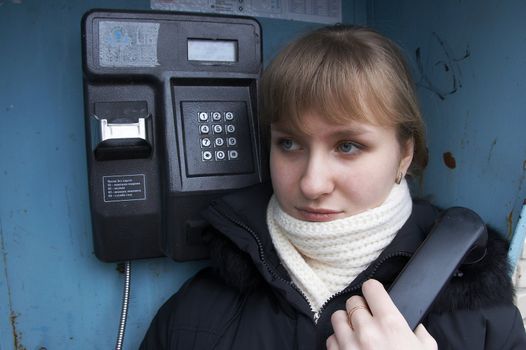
point(345, 73)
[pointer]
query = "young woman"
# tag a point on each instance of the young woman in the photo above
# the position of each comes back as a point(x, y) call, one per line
point(304, 263)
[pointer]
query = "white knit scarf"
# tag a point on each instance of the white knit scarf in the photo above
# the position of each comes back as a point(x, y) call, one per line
point(322, 258)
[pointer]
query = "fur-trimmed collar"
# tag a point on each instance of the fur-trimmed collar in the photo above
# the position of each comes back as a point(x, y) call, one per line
point(480, 284)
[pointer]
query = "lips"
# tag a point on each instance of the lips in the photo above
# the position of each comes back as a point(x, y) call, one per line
point(317, 214)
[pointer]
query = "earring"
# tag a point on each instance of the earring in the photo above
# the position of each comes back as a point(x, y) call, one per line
point(399, 178)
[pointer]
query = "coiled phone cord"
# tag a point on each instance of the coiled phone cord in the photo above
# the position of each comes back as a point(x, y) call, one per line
point(125, 301)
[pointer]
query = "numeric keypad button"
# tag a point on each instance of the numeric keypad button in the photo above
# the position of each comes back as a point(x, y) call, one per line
point(230, 128)
point(205, 142)
point(216, 116)
point(207, 155)
point(220, 155)
point(217, 129)
point(219, 142)
point(204, 129)
point(203, 116)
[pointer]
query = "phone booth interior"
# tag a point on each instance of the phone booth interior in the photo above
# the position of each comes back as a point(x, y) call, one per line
point(55, 292)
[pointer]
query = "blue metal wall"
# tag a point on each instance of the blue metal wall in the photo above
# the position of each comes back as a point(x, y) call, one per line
point(54, 293)
point(469, 60)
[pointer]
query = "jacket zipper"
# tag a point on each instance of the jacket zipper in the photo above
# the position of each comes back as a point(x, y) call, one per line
point(358, 285)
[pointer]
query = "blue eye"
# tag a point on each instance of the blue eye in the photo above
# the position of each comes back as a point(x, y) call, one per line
point(347, 147)
point(288, 144)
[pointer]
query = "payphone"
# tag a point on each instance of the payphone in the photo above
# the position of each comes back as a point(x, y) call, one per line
point(170, 114)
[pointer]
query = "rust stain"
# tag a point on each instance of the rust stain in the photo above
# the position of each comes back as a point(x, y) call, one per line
point(449, 160)
point(16, 335)
point(509, 220)
point(12, 315)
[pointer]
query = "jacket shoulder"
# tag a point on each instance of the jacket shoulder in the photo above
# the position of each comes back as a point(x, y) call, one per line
point(196, 316)
point(492, 328)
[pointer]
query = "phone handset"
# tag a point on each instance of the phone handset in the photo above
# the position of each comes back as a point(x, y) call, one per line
point(458, 237)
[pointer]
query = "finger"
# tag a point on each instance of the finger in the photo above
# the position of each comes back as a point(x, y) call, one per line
point(425, 338)
point(378, 299)
point(358, 312)
point(341, 327)
point(355, 301)
point(332, 343)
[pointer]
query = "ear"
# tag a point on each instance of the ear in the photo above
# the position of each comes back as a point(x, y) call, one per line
point(406, 155)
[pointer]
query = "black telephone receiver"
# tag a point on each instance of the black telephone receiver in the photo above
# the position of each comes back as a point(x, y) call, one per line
point(459, 237)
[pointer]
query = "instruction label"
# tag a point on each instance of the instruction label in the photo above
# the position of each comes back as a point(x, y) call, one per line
point(317, 11)
point(128, 44)
point(121, 188)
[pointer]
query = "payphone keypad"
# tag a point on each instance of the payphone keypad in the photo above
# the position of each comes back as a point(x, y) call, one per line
point(221, 133)
point(217, 138)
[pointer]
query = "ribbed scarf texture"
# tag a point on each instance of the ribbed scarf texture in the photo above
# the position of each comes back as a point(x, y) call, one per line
point(322, 258)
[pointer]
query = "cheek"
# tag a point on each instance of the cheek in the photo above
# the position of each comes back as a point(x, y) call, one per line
point(369, 182)
point(278, 174)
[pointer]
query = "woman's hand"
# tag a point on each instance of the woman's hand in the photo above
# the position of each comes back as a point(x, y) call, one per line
point(374, 322)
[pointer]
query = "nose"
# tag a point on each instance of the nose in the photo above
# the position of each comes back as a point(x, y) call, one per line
point(317, 178)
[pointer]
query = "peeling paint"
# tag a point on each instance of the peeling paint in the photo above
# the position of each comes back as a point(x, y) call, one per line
point(509, 221)
point(449, 160)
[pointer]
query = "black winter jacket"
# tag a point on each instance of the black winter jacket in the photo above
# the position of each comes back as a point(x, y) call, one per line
point(246, 299)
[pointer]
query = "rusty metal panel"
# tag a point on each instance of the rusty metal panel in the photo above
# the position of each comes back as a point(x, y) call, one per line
point(468, 61)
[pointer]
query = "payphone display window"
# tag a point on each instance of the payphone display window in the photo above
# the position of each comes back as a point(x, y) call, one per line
point(212, 50)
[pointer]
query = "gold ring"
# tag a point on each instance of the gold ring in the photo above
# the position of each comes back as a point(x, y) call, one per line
point(353, 310)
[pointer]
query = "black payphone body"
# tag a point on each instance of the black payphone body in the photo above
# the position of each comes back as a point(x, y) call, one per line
point(171, 122)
